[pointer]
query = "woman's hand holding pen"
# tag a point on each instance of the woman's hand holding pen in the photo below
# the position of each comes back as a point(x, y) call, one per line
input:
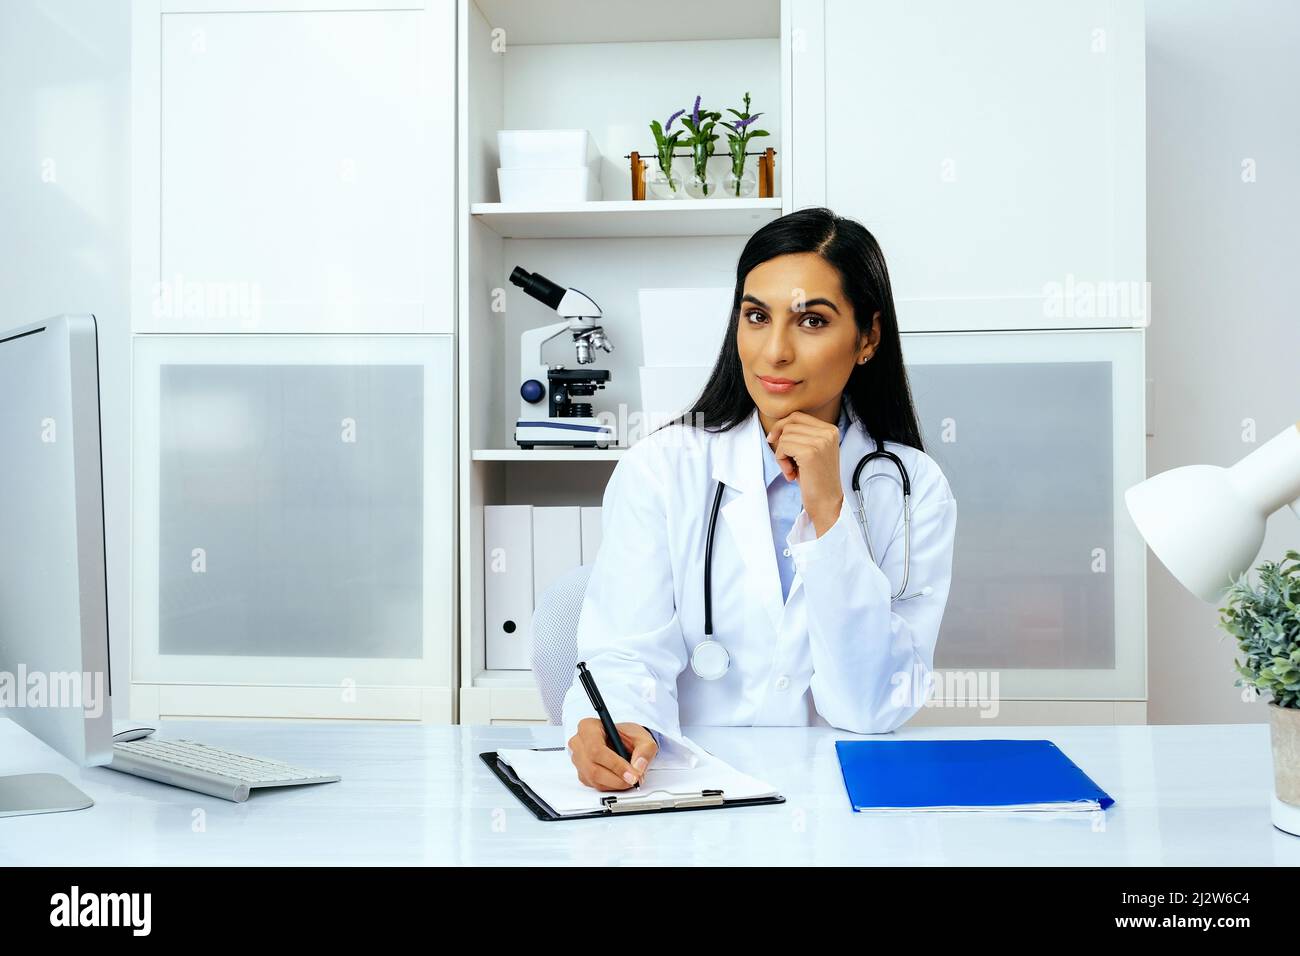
point(599, 766)
point(808, 451)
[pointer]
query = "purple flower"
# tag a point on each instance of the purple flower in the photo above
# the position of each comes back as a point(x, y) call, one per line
point(695, 115)
point(669, 124)
point(741, 124)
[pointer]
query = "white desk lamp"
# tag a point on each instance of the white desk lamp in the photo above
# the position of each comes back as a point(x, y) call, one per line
point(1206, 524)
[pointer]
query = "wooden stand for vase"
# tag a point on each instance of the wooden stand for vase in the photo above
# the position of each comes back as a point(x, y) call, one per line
point(766, 173)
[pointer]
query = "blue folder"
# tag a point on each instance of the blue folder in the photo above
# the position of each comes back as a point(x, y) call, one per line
point(964, 775)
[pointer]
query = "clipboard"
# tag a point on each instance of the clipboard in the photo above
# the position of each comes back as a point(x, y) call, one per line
point(670, 803)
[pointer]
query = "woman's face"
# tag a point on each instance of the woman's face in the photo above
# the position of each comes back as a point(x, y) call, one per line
point(795, 324)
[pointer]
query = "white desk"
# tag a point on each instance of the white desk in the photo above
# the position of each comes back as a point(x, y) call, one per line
point(1186, 795)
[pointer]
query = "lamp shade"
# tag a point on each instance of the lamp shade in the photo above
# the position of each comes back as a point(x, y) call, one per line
point(1206, 524)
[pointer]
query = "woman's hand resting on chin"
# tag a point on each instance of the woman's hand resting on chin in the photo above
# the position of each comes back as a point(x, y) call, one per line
point(808, 451)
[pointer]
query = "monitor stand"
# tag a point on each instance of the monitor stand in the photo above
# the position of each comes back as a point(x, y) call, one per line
point(24, 793)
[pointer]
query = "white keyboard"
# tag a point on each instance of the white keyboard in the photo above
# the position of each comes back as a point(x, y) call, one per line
point(210, 770)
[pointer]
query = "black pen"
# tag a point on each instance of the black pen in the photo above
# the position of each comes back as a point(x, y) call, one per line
point(611, 732)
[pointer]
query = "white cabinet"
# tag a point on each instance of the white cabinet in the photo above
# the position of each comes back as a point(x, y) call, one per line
point(996, 151)
point(294, 168)
point(293, 290)
point(1039, 433)
point(291, 548)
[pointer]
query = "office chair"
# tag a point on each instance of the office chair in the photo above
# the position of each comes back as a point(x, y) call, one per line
point(555, 638)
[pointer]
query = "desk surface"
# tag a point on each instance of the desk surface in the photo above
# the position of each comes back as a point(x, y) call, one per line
point(419, 794)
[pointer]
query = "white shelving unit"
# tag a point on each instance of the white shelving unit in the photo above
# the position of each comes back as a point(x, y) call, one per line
point(610, 68)
point(963, 191)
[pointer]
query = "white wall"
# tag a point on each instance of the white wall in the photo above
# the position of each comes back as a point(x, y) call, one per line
point(1224, 344)
point(64, 181)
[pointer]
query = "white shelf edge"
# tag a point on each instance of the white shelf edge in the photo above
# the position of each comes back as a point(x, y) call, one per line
point(615, 218)
point(490, 678)
point(554, 454)
point(609, 207)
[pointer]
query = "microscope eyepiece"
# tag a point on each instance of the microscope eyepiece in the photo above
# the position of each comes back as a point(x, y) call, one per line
point(538, 286)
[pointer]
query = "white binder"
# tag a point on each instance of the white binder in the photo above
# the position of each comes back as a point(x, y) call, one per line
point(508, 585)
point(590, 534)
point(557, 545)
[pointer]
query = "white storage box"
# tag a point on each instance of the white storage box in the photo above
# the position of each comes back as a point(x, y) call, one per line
point(546, 148)
point(667, 392)
point(523, 186)
point(682, 327)
point(547, 165)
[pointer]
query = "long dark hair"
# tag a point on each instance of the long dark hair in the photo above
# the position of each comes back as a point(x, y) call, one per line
point(877, 391)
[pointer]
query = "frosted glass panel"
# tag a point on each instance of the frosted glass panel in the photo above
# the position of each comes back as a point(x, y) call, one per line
point(1028, 450)
point(291, 510)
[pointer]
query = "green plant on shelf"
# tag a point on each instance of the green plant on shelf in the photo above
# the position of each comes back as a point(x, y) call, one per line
point(738, 142)
point(665, 145)
point(701, 123)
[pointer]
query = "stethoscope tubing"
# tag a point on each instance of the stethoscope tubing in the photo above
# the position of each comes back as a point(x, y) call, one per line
point(880, 452)
point(708, 565)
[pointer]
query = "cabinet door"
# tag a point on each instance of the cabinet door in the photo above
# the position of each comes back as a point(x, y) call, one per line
point(293, 510)
point(996, 151)
point(1039, 434)
point(293, 166)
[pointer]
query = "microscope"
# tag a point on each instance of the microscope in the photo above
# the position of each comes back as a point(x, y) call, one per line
point(566, 423)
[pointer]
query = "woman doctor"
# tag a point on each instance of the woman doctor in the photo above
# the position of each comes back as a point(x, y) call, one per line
point(809, 376)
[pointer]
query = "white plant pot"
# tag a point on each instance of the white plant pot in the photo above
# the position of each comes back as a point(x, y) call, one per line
point(1284, 733)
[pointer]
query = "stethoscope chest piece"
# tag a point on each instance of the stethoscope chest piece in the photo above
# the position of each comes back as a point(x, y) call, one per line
point(710, 660)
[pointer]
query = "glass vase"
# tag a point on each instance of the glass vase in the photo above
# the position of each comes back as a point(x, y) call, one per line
point(743, 186)
point(702, 187)
point(663, 185)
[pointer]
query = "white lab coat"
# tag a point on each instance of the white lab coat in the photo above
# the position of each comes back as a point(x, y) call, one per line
point(836, 653)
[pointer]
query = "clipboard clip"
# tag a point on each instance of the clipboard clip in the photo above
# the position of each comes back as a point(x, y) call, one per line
point(672, 801)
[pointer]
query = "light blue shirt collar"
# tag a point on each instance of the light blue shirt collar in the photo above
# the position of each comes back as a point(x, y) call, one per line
point(771, 469)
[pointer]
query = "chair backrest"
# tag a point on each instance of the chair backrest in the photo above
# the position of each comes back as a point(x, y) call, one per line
point(555, 638)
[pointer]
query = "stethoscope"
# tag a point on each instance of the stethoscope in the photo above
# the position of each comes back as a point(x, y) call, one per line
point(710, 659)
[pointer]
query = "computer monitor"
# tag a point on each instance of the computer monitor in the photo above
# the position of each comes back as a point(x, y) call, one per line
point(54, 663)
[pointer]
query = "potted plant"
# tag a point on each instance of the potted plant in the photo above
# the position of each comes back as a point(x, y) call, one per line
point(739, 181)
point(1265, 620)
point(663, 182)
point(701, 185)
